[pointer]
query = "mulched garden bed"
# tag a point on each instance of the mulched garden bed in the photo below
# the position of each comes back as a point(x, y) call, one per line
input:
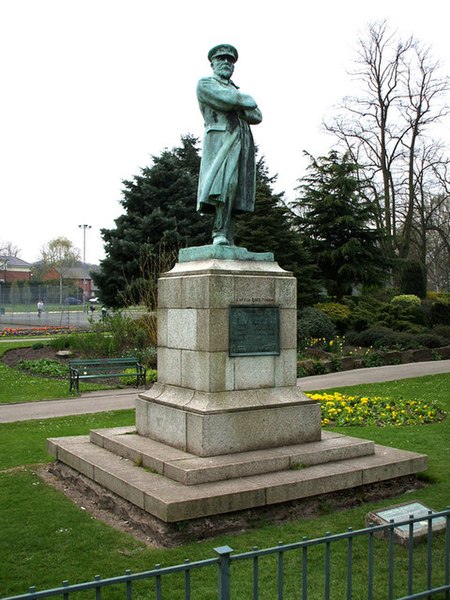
point(11, 358)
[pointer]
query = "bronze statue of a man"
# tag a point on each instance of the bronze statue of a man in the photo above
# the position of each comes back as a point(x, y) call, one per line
point(227, 171)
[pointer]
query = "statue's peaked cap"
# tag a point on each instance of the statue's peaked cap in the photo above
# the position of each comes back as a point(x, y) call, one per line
point(223, 50)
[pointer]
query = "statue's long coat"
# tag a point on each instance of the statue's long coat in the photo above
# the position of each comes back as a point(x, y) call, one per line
point(227, 171)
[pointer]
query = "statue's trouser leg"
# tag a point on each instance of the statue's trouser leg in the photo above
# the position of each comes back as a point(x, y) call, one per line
point(223, 229)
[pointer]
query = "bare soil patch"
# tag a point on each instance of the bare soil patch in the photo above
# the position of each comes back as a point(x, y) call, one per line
point(11, 358)
point(124, 516)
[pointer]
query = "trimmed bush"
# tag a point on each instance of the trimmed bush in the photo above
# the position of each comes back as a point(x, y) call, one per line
point(338, 313)
point(368, 337)
point(406, 300)
point(399, 341)
point(313, 323)
point(431, 340)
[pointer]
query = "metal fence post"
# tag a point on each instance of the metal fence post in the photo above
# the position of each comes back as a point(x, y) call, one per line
point(224, 571)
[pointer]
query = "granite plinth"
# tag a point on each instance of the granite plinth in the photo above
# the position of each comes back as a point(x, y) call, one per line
point(209, 424)
point(194, 301)
point(225, 431)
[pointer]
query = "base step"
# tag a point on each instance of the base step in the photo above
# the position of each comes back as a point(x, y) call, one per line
point(172, 501)
point(190, 469)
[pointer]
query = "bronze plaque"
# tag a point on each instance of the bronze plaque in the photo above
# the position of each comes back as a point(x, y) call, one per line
point(254, 330)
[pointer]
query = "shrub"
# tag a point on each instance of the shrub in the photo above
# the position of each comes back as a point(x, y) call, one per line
point(146, 356)
point(313, 323)
point(148, 325)
point(383, 337)
point(372, 359)
point(440, 313)
point(151, 376)
point(367, 313)
point(431, 340)
point(403, 309)
point(61, 342)
point(338, 314)
point(398, 340)
point(116, 335)
point(368, 337)
point(361, 318)
point(406, 300)
point(443, 331)
point(439, 297)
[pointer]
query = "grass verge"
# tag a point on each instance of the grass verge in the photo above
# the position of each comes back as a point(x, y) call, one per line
point(46, 539)
point(17, 386)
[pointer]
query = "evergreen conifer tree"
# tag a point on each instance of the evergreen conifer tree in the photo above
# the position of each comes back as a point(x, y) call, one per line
point(335, 220)
point(270, 229)
point(159, 216)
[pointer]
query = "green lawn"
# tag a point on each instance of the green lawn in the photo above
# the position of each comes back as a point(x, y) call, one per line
point(17, 386)
point(46, 539)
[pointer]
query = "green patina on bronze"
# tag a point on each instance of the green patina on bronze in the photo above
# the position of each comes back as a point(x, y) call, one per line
point(227, 172)
point(222, 253)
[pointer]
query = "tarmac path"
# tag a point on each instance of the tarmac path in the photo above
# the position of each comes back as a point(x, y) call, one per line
point(108, 400)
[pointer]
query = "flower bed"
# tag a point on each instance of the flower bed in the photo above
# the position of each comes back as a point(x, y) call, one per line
point(34, 331)
point(341, 410)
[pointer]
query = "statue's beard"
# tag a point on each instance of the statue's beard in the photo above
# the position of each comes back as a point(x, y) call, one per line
point(224, 72)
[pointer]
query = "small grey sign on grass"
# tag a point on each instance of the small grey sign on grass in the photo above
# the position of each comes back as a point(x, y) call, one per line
point(402, 512)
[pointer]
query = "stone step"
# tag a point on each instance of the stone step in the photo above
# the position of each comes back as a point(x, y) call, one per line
point(172, 501)
point(189, 469)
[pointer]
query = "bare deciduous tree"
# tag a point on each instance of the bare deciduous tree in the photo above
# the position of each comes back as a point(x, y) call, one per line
point(7, 248)
point(387, 127)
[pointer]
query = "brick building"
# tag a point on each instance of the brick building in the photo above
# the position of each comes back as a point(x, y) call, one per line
point(77, 276)
point(13, 268)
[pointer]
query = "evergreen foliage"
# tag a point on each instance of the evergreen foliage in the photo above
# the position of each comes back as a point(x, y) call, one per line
point(159, 215)
point(412, 278)
point(335, 221)
point(270, 229)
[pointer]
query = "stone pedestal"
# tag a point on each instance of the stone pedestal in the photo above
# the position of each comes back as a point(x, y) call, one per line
point(207, 402)
point(225, 429)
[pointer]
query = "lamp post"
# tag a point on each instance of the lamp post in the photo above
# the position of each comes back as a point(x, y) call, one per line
point(84, 227)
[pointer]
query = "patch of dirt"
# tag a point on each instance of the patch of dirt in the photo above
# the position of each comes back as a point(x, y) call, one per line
point(11, 358)
point(106, 506)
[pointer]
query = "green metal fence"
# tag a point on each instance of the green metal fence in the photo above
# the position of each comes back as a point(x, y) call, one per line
point(324, 567)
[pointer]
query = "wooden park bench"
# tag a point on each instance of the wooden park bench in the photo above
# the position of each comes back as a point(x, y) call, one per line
point(105, 367)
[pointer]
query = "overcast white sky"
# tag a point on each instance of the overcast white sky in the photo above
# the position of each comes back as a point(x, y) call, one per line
point(90, 89)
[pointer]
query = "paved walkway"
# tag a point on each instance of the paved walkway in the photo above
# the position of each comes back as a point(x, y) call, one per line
point(106, 400)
